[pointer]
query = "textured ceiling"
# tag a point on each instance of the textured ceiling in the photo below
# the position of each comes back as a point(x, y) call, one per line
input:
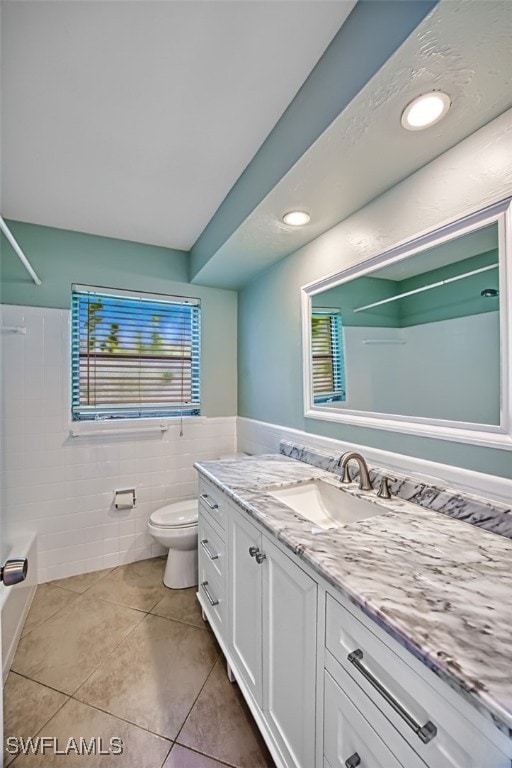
point(462, 48)
point(134, 119)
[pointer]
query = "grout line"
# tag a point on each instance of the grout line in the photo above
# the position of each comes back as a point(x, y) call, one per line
point(122, 719)
point(109, 654)
point(51, 716)
point(94, 706)
point(45, 685)
point(181, 621)
point(203, 754)
point(168, 753)
point(103, 711)
point(109, 571)
point(48, 618)
point(121, 605)
point(198, 695)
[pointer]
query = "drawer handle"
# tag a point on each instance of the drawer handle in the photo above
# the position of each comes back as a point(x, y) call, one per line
point(206, 499)
point(253, 551)
point(353, 761)
point(425, 732)
point(211, 599)
point(211, 555)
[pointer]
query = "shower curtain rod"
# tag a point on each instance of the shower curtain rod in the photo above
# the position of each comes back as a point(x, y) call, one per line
point(19, 253)
point(426, 287)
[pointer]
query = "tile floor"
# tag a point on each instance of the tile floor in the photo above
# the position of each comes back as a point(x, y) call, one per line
point(116, 654)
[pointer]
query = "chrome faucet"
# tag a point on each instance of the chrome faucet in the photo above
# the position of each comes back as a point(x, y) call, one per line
point(364, 477)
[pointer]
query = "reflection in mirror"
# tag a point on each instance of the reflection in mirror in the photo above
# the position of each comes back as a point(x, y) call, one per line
point(417, 338)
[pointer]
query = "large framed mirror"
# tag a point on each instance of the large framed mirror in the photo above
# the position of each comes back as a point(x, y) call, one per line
point(418, 339)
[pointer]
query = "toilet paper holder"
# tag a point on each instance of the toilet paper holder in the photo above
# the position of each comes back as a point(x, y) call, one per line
point(125, 498)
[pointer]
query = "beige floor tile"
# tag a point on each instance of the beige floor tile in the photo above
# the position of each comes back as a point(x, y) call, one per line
point(47, 601)
point(27, 708)
point(185, 758)
point(182, 605)
point(154, 676)
point(64, 650)
point(82, 582)
point(221, 726)
point(136, 585)
point(140, 748)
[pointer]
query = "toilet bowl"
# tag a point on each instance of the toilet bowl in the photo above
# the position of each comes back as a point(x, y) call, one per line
point(175, 526)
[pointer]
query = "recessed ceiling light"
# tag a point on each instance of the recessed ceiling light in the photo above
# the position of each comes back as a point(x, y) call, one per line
point(425, 110)
point(296, 218)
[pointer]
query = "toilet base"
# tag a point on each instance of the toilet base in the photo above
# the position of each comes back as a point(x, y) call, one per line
point(181, 569)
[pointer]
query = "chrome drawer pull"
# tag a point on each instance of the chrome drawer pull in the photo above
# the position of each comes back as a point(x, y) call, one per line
point(253, 551)
point(212, 600)
point(211, 555)
point(206, 499)
point(425, 732)
point(353, 761)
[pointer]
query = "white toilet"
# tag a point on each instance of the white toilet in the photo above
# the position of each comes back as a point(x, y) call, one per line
point(175, 526)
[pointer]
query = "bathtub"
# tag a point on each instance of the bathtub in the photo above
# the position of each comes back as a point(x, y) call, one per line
point(15, 601)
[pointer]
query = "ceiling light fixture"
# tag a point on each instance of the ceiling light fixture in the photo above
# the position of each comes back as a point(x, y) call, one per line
point(425, 110)
point(296, 218)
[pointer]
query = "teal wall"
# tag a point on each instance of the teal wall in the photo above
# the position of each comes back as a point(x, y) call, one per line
point(459, 299)
point(61, 257)
point(270, 367)
point(357, 293)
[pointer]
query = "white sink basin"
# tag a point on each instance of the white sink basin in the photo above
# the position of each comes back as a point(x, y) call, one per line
point(324, 504)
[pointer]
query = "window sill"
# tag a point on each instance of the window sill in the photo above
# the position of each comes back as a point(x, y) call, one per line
point(129, 426)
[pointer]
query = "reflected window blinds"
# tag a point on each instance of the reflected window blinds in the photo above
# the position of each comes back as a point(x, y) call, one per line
point(327, 355)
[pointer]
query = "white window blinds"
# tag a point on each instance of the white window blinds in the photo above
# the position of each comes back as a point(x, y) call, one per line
point(134, 355)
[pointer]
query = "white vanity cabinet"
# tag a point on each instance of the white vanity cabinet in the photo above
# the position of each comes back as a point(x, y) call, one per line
point(273, 619)
point(328, 687)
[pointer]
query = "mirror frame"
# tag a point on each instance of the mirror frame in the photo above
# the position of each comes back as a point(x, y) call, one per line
point(490, 435)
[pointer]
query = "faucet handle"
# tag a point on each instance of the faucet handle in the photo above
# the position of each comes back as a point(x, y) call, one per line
point(384, 492)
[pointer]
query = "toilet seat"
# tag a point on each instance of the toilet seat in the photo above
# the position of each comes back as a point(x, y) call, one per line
point(181, 514)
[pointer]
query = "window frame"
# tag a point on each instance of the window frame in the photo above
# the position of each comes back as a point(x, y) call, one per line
point(121, 413)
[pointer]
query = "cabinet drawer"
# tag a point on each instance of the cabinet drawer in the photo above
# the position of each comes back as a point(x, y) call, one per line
point(212, 597)
point(401, 750)
point(447, 739)
point(211, 547)
point(347, 735)
point(214, 503)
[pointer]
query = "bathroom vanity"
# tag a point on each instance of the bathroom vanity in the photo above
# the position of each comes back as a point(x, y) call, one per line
point(380, 643)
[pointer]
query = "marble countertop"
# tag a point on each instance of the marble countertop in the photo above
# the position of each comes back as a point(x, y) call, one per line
point(440, 587)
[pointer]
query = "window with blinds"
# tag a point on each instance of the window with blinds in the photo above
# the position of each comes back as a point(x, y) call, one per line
point(134, 355)
point(327, 356)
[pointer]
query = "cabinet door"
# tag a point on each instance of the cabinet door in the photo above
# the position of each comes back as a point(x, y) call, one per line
point(289, 655)
point(245, 602)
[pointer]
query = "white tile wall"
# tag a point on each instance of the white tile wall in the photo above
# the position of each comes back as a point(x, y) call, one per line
point(62, 487)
